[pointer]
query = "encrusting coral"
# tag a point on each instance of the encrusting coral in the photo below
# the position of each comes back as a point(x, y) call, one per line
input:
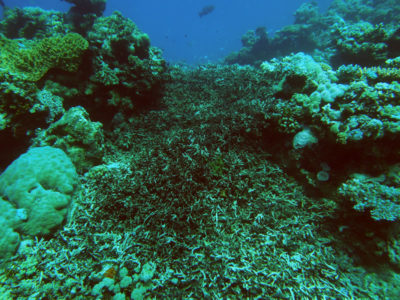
point(31, 60)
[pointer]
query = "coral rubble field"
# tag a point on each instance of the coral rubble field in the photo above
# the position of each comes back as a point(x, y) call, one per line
point(272, 175)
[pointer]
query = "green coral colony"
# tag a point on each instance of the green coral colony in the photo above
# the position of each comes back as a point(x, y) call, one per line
point(273, 175)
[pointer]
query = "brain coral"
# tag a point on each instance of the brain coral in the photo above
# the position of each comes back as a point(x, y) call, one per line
point(40, 185)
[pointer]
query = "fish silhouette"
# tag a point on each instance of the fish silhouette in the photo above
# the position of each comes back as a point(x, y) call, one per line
point(2, 4)
point(206, 10)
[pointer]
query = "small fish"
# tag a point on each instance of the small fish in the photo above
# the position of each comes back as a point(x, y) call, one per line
point(206, 10)
point(2, 4)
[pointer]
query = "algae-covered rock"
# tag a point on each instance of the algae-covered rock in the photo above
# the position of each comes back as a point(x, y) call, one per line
point(79, 137)
point(17, 98)
point(372, 194)
point(127, 71)
point(96, 7)
point(361, 43)
point(121, 44)
point(393, 245)
point(32, 23)
point(49, 103)
point(83, 14)
point(375, 12)
point(255, 47)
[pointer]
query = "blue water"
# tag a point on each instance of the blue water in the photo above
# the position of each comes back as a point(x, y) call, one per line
point(175, 27)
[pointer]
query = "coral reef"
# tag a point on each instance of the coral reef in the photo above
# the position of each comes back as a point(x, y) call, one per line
point(32, 22)
point(386, 11)
point(126, 69)
point(373, 195)
point(277, 179)
point(107, 72)
point(38, 188)
point(358, 109)
point(24, 106)
point(96, 7)
point(9, 237)
point(309, 32)
point(80, 138)
point(363, 43)
point(31, 61)
point(349, 32)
